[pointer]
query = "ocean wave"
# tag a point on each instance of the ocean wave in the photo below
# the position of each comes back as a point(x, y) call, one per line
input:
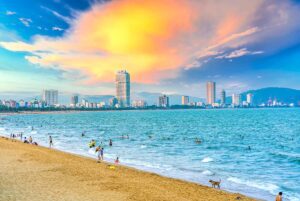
point(207, 160)
point(271, 188)
point(208, 173)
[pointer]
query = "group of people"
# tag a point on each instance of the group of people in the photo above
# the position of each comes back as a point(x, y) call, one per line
point(13, 136)
point(100, 150)
point(29, 140)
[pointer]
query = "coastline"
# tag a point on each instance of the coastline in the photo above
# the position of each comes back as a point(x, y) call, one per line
point(31, 172)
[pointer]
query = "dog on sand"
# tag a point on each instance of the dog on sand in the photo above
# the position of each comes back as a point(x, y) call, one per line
point(215, 184)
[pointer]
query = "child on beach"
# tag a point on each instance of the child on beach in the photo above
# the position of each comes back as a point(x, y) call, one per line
point(30, 139)
point(117, 161)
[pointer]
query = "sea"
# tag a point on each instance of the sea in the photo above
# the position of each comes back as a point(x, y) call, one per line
point(255, 152)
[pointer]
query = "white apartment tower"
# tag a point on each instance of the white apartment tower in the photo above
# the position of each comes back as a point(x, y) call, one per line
point(123, 88)
point(250, 99)
point(211, 92)
point(185, 100)
point(236, 99)
point(50, 97)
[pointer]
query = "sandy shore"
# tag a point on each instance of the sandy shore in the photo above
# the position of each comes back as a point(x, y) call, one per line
point(35, 173)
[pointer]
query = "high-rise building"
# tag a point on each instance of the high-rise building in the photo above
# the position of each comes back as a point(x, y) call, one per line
point(236, 99)
point(50, 97)
point(250, 99)
point(185, 100)
point(123, 88)
point(211, 92)
point(74, 100)
point(163, 101)
point(223, 97)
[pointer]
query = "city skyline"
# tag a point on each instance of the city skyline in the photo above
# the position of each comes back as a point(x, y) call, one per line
point(239, 53)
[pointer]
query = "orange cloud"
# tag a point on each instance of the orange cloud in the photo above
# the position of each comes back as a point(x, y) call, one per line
point(153, 40)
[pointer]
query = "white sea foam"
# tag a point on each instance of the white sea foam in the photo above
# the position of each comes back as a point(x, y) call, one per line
point(272, 188)
point(207, 160)
point(207, 172)
point(92, 152)
point(143, 146)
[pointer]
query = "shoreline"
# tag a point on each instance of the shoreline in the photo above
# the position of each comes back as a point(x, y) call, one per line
point(132, 109)
point(158, 187)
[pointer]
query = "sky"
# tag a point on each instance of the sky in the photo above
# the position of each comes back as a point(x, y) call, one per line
point(167, 46)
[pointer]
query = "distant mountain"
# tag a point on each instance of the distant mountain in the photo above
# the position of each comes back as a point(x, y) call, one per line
point(284, 95)
point(97, 98)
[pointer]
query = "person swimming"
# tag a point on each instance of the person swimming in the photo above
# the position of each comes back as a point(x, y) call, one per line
point(110, 142)
point(198, 141)
point(83, 134)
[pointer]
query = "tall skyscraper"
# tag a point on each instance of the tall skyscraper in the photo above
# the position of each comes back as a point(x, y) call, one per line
point(123, 88)
point(50, 97)
point(223, 97)
point(250, 99)
point(185, 100)
point(236, 99)
point(163, 101)
point(74, 100)
point(211, 92)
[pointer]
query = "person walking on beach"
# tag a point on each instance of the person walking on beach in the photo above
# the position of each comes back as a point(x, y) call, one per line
point(279, 197)
point(98, 150)
point(102, 153)
point(50, 141)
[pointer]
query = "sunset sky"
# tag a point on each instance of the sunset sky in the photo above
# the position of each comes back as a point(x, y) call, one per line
point(167, 46)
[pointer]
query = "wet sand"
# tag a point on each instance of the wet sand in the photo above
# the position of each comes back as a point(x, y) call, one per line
point(34, 173)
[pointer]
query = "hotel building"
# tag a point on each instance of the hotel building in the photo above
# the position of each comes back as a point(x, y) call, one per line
point(50, 97)
point(123, 88)
point(211, 92)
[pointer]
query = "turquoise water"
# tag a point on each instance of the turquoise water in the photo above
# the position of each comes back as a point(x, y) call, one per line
point(163, 142)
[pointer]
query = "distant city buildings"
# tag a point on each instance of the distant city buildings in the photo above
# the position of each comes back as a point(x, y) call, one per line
point(249, 99)
point(223, 97)
point(163, 101)
point(236, 100)
point(123, 88)
point(50, 97)
point(74, 100)
point(49, 100)
point(210, 92)
point(139, 104)
point(185, 100)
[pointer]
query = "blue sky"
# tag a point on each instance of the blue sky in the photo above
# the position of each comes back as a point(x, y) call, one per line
point(62, 44)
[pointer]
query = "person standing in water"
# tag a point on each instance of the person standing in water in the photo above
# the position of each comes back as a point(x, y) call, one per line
point(279, 197)
point(50, 141)
point(110, 142)
point(98, 150)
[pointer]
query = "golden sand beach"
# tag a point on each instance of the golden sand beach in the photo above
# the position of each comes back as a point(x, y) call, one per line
point(35, 173)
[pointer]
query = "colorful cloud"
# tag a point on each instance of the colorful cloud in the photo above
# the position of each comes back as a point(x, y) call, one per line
point(153, 40)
